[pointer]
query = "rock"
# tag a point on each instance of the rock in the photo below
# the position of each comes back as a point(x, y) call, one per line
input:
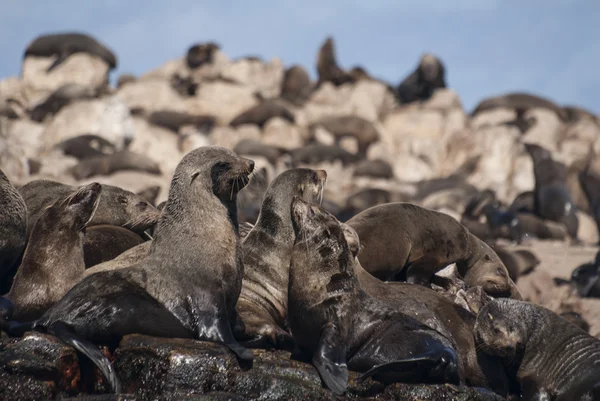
point(547, 129)
point(406, 167)
point(281, 133)
point(26, 135)
point(588, 230)
point(221, 99)
point(262, 78)
point(229, 137)
point(493, 117)
point(442, 100)
point(152, 94)
point(79, 68)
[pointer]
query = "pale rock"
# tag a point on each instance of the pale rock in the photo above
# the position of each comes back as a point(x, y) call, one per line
point(13, 160)
point(406, 167)
point(323, 136)
point(158, 144)
point(281, 133)
point(546, 131)
point(222, 100)
point(166, 71)
point(263, 78)
point(588, 230)
point(443, 100)
point(349, 144)
point(55, 165)
point(228, 137)
point(213, 70)
point(189, 142)
point(11, 92)
point(493, 117)
point(152, 94)
point(26, 135)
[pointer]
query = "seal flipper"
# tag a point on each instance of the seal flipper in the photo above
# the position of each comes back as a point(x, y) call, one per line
point(217, 329)
point(68, 336)
point(330, 359)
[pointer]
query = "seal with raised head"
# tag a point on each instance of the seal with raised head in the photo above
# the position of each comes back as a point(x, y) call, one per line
point(63, 45)
point(108, 164)
point(263, 112)
point(296, 86)
point(405, 241)
point(105, 242)
point(13, 225)
point(552, 358)
point(53, 261)
point(552, 199)
point(267, 249)
point(429, 75)
point(327, 66)
point(342, 327)
point(188, 284)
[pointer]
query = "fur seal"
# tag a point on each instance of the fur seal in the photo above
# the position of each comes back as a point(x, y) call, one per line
point(150, 194)
point(200, 54)
point(366, 198)
point(518, 262)
point(518, 100)
point(185, 86)
point(327, 66)
point(577, 320)
point(106, 242)
point(53, 261)
point(553, 359)
point(586, 279)
point(404, 240)
point(86, 146)
point(109, 164)
point(374, 168)
point(188, 284)
point(551, 195)
point(252, 147)
point(263, 112)
point(429, 75)
point(589, 179)
point(128, 258)
point(501, 222)
point(63, 45)
point(296, 86)
point(262, 305)
point(175, 120)
point(317, 153)
point(350, 126)
point(13, 225)
point(343, 328)
point(58, 99)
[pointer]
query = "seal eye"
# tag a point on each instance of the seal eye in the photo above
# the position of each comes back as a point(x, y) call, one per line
point(487, 257)
point(194, 176)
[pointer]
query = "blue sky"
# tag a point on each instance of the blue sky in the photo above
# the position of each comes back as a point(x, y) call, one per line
point(549, 47)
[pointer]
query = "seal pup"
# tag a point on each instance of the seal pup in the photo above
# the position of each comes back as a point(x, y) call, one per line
point(552, 199)
point(109, 164)
point(105, 242)
point(53, 261)
point(63, 45)
point(429, 75)
point(327, 66)
point(296, 86)
point(553, 358)
point(267, 249)
point(188, 284)
point(13, 225)
point(402, 240)
point(349, 126)
point(263, 112)
point(341, 327)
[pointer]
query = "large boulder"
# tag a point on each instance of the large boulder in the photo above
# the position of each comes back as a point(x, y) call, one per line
point(260, 77)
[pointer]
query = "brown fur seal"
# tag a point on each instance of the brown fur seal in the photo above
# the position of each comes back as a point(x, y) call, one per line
point(523, 101)
point(60, 98)
point(405, 240)
point(252, 147)
point(296, 87)
point(106, 242)
point(439, 313)
point(366, 198)
point(374, 168)
point(267, 248)
point(342, 327)
point(327, 67)
point(129, 257)
point(586, 279)
point(63, 45)
point(576, 319)
point(553, 359)
point(350, 126)
point(551, 194)
point(175, 120)
point(53, 261)
point(518, 262)
point(263, 112)
point(188, 284)
point(317, 153)
point(86, 146)
point(109, 164)
point(150, 194)
point(200, 54)
point(422, 83)
point(13, 225)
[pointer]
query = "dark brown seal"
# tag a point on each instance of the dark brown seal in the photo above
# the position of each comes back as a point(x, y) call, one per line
point(188, 284)
point(108, 164)
point(589, 178)
point(518, 262)
point(62, 45)
point(13, 225)
point(263, 112)
point(350, 126)
point(296, 87)
point(61, 97)
point(86, 146)
point(252, 147)
point(585, 279)
point(128, 258)
point(553, 359)
point(106, 242)
point(374, 168)
point(429, 75)
point(317, 153)
point(402, 240)
point(366, 198)
point(175, 120)
point(518, 100)
point(53, 261)
point(267, 248)
point(552, 200)
point(343, 328)
point(327, 66)
point(200, 54)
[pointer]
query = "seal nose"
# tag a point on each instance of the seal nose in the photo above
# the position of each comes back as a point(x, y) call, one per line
point(322, 174)
point(250, 165)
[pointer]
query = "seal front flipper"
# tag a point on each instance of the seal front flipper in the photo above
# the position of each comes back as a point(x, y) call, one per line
point(330, 359)
point(217, 329)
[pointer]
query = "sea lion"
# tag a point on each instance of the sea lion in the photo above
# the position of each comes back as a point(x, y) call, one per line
point(108, 164)
point(267, 248)
point(188, 284)
point(86, 146)
point(263, 112)
point(200, 54)
point(61, 97)
point(551, 195)
point(13, 225)
point(63, 45)
point(350, 126)
point(552, 358)
point(252, 147)
point(53, 261)
point(296, 86)
point(518, 100)
point(402, 240)
point(374, 168)
point(327, 67)
point(341, 327)
point(317, 153)
point(175, 120)
point(429, 75)
point(106, 242)
point(150, 193)
point(518, 262)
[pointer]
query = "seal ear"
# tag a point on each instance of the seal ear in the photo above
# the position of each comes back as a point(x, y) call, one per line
point(330, 359)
